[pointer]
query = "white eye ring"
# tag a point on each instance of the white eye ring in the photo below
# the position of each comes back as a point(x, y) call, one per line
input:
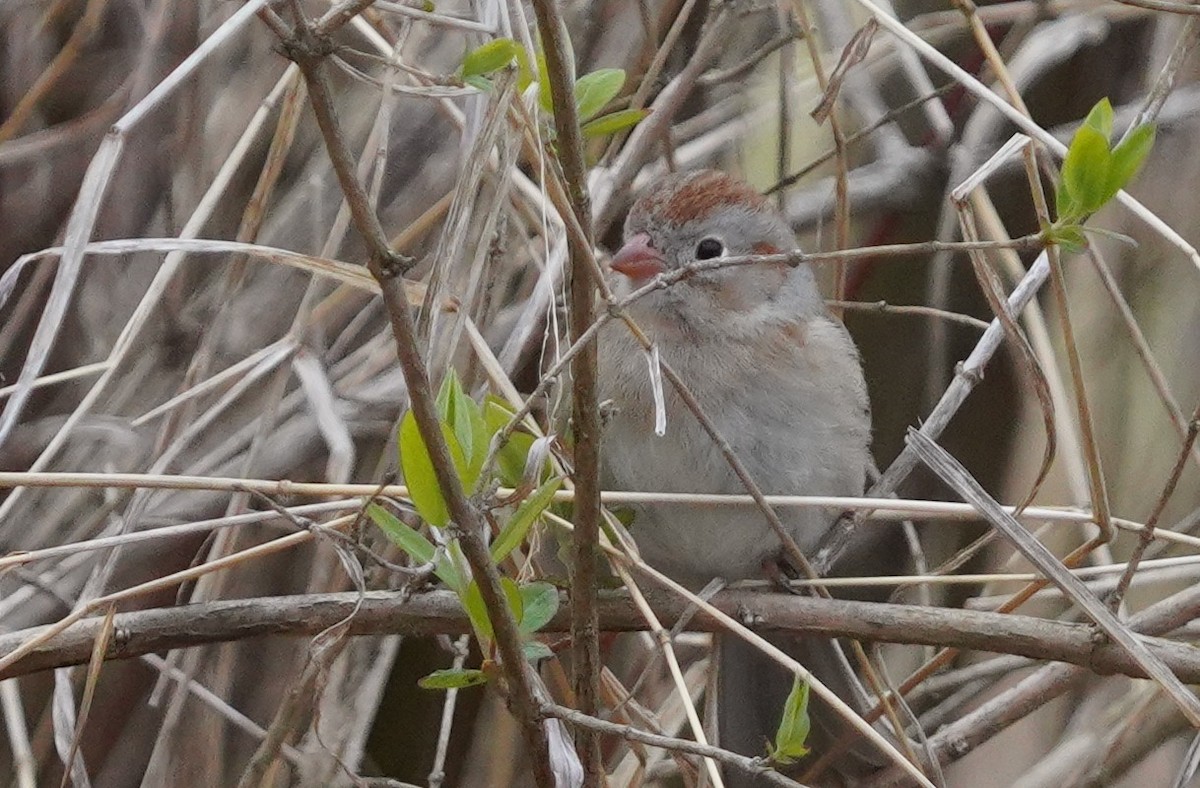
point(709, 248)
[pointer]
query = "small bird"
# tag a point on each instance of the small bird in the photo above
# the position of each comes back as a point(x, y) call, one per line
point(782, 382)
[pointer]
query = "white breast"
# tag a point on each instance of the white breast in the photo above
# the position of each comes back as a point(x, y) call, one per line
point(795, 413)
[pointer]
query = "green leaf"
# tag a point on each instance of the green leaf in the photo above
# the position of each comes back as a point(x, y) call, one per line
point(418, 470)
point(480, 441)
point(479, 83)
point(613, 122)
point(454, 564)
point(512, 456)
point(510, 459)
point(492, 56)
point(1128, 157)
point(1085, 169)
point(524, 70)
point(792, 736)
point(1066, 207)
point(535, 650)
point(445, 401)
point(413, 543)
point(1100, 118)
point(540, 603)
point(472, 601)
point(404, 536)
point(514, 531)
point(512, 595)
point(545, 97)
point(465, 418)
point(496, 413)
point(452, 679)
point(593, 91)
point(477, 612)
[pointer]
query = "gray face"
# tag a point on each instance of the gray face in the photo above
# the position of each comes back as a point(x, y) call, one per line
point(691, 215)
point(729, 232)
point(706, 215)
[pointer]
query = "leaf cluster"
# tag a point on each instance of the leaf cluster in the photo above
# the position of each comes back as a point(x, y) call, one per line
point(469, 429)
point(593, 91)
point(1094, 171)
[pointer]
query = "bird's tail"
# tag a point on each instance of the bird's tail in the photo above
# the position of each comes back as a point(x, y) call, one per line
point(752, 689)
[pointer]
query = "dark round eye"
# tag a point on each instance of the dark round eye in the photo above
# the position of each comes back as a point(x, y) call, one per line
point(709, 248)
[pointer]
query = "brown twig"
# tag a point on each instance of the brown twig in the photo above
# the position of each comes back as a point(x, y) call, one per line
point(757, 768)
point(439, 612)
point(884, 308)
point(308, 48)
point(798, 257)
point(584, 409)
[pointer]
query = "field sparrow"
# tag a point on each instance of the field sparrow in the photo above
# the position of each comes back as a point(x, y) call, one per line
point(778, 376)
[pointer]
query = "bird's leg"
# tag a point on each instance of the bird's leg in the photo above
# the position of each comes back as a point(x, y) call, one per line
point(780, 574)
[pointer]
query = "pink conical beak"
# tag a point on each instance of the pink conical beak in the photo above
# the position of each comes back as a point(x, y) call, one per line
point(638, 260)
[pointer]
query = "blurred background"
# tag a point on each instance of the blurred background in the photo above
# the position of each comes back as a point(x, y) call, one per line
point(293, 376)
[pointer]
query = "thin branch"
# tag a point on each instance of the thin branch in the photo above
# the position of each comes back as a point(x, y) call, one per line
point(1027, 243)
point(682, 273)
point(757, 768)
point(1097, 487)
point(585, 651)
point(883, 307)
point(439, 612)
point(308, 48)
